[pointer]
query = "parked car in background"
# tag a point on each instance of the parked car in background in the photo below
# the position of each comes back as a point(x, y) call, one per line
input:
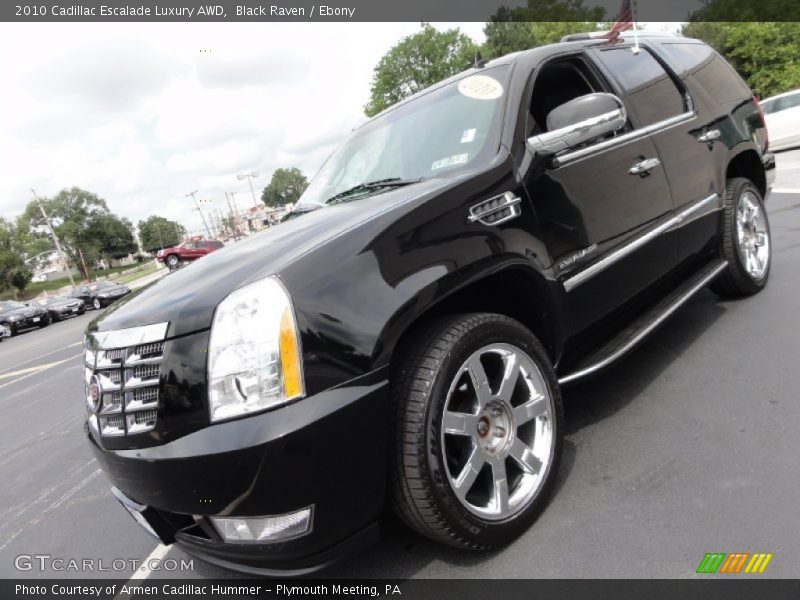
point(100, 293)
point(782, 114)
point(61, 307)
point(188, 251)
point(15, 316)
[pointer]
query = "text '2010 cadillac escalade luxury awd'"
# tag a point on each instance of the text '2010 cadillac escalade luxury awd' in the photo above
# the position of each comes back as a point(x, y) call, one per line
point(402, 337)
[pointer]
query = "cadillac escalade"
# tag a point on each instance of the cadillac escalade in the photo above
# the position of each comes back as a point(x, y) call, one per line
point(401, 339)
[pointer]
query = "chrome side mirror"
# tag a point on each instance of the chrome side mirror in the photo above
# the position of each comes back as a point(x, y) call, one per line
point(579, 121)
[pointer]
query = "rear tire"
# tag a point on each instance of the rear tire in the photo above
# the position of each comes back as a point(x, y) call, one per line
point(96, 303)
point(745, 242)
point(473, 465)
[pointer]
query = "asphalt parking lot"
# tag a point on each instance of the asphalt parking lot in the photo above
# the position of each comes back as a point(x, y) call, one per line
point(690, 445)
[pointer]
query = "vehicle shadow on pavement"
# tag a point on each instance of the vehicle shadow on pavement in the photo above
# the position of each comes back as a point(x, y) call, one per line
point(596, 399)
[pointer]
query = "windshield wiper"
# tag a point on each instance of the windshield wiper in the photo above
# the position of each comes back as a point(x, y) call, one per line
point(371, 185)
point(301, 210)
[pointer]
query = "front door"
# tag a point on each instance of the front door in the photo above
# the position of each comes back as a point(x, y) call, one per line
point(602, 208)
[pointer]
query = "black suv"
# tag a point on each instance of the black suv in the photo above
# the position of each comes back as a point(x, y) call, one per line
point(404, 335)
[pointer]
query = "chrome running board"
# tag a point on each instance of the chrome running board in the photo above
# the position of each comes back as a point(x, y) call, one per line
point(643, 326)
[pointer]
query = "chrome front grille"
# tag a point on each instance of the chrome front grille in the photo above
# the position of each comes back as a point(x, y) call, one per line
point(122, 384)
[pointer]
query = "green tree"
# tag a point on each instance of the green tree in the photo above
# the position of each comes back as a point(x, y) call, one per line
point(746, 11)
point(156, 232)
point(766, 55)
point(286, 186)
point(111, 236)
point(13, 271)
point(538, 23)
point(70, 212)
point(416, 62)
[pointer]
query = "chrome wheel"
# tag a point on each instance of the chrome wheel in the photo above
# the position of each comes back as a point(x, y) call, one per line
point(6, 330)
point(497, 432)
point(752, 234)
point(96, 304)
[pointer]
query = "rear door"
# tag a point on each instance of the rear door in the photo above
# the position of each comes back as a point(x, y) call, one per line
point(601, 217)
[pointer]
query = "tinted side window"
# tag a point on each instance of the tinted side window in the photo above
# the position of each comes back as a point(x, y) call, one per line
point(709, 69)
point(768, 107)
point(652, 92)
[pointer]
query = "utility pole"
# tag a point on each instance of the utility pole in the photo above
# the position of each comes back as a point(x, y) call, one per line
point(250, 177)
point(198, 209)
point(55, 237)
point(234, 221)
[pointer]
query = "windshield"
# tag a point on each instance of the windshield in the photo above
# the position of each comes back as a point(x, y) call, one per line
point(435, 134)
point(52, 300)
point(10, 305)
point(100, 285)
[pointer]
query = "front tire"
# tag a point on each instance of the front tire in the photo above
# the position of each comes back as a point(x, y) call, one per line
point(172, 262)
point(746, 243)
point(478, 430)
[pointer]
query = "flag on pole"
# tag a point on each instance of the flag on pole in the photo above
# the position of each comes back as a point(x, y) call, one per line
point(625, 22)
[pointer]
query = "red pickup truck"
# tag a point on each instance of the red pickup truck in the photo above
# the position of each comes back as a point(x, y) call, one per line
point(187, 251)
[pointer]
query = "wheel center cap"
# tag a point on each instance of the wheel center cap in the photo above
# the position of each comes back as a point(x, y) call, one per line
point(495, 429)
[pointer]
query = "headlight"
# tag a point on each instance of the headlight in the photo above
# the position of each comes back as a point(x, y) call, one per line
point(254, 351)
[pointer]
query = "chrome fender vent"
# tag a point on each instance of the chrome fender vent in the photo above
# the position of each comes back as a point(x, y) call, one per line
point(497, 210)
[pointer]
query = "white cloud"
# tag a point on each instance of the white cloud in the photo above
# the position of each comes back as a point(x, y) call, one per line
point(142, 114)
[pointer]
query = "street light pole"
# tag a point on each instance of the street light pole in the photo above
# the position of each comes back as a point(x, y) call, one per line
point(202, 216)
point(55, 237)
point(250, 177)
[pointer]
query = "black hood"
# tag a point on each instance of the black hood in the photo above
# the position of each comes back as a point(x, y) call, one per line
point(187, 298)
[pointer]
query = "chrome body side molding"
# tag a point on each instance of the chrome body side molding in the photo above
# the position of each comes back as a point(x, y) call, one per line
point(646, 324)
point(632, 246)
point(623, 139)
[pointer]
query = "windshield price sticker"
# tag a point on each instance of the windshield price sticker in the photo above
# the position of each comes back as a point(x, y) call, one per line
point(480, 87)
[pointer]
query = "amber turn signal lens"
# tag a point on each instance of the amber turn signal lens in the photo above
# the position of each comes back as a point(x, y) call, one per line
point(290, 357)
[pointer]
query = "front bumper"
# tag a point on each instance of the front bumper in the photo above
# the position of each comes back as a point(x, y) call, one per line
point(327, 451)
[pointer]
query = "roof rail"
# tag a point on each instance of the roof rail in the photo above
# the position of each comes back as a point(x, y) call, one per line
point(592, 35)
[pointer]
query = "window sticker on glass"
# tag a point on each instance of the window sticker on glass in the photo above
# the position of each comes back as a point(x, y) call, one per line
point(468, 136)
point(480, 87)
point(456, 159)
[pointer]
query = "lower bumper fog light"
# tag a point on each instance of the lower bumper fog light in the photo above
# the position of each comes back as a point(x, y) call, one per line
point(265, 529)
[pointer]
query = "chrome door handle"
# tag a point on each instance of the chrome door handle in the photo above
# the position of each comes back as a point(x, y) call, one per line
point(644, 167)
point(710, 136)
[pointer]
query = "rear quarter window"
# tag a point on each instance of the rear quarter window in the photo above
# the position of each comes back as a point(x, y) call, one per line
point(651, 91)
point(708, 69)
